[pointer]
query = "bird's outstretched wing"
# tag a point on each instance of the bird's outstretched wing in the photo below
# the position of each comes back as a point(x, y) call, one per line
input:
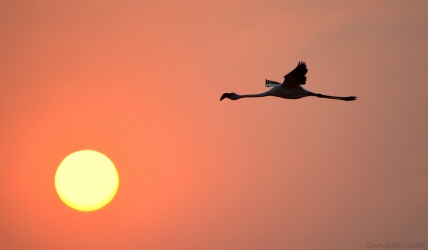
point(270, 83)
point(296, 76)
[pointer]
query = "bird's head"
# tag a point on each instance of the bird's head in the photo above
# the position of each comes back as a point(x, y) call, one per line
point(231, 96)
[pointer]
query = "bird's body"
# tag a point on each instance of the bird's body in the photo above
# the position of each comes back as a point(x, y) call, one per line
point(288, 93)
point(290, 89)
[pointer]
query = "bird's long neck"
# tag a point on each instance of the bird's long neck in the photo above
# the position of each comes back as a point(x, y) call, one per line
point(255, 95)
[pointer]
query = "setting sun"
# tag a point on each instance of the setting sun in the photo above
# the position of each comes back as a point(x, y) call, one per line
point(86, 180)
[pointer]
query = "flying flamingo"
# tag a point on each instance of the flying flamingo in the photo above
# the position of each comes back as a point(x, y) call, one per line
point(290, 88)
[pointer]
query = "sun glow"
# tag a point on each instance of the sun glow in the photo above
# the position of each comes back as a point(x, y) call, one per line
point(86, 180)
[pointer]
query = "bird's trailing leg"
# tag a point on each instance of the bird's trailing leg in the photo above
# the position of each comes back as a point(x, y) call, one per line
point(346, 98)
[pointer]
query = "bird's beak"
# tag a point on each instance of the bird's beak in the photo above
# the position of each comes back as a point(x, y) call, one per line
point(224, 96)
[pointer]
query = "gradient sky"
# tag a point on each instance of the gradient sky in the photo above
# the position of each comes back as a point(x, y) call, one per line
point(140, 81)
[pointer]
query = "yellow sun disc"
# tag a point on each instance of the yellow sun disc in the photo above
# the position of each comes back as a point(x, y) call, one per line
point(86, 180)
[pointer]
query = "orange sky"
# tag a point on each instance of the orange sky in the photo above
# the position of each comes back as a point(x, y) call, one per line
point(141, 82)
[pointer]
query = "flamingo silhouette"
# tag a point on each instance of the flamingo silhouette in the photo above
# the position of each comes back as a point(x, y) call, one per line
point(289, 89)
